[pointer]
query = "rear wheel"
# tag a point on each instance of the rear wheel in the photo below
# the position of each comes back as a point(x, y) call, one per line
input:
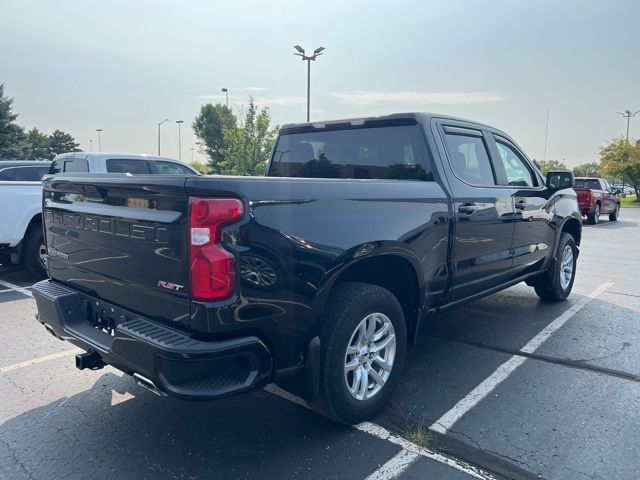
point(557, 283)
point(594, 218)
point(613, 216)
point(34, 252)
point(363, 351)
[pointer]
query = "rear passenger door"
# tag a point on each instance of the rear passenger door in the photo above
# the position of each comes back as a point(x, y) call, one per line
point(534, 232)
point(483, 211)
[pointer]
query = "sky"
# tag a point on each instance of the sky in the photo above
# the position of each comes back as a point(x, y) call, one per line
point(125, 65)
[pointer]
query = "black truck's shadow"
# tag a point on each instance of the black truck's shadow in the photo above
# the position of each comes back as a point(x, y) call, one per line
point(143, 436)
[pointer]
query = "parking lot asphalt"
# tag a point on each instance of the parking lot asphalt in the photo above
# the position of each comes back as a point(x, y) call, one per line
point(504, 387)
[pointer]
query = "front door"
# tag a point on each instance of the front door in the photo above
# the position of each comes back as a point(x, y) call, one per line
point(483, 213)
point(534, 231)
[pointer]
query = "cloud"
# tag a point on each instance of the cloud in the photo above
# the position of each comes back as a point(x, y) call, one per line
point(283, 101)
point(362, 98)
point(232, 92)
point(249, 89)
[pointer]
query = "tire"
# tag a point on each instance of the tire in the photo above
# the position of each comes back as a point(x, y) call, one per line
point(594, 218)
point(613, 216)
point(556, 285)
point(32, 255)
point(350, 305)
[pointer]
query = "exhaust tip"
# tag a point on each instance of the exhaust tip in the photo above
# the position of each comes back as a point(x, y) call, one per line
point(144, 382)
point(49, 329)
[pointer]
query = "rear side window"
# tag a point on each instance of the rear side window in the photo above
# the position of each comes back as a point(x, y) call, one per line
point(396, 152)
point(127, 165)
point(170, 168)
point(590, 183)
point(76, 165)
point(470, 158)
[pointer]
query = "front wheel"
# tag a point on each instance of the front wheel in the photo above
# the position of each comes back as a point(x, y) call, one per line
point(613, 216)
point(363, 351)
point(556, 285)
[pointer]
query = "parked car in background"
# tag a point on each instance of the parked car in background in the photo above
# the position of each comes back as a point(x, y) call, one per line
point(203, 287)
point(23, 170)
point(595, 197)
point(624, 189)
point(21, 239)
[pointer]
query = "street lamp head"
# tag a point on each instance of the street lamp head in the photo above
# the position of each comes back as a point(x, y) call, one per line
point(318, 50)
point(98, 129)
point(224, 90)
point(165, 120)
point(179, 121)
point(299, 49)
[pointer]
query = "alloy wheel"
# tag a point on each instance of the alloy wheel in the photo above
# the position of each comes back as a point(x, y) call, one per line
point(370, 355)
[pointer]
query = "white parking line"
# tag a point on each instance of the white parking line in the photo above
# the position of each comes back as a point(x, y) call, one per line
point(410, 451)
point(16, 288)
point(394, 467)
point(35, 361)
point(446, 421)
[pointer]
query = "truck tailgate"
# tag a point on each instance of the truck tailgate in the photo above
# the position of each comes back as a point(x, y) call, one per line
point(584, 196)
point(121, 239)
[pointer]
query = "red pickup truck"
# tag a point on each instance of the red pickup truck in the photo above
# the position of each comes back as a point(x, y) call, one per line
point(596, 196)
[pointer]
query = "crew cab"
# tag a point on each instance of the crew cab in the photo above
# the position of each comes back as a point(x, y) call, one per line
point(21, 238)
point(316, 276)
point(595, 197)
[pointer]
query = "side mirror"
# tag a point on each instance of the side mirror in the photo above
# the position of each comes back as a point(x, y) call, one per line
point(558, 180)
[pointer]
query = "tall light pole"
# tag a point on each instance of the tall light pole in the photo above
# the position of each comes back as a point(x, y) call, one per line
point(99, 130)
point(91, 144)
point(628, 115)
point(179, 122)
point(192, 154)
point(159, 124)
point(308, 59)
point(226, 92)
point(546, 136)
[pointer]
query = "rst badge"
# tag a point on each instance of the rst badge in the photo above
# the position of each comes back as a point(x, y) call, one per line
point(170, 286)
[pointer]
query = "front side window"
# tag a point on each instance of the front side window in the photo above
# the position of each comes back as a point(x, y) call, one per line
point(128, 165)
point(470, 159)
point(394, 152)
point(516, 169)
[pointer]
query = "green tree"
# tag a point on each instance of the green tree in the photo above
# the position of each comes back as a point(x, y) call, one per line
point(589, 169)
point(621, 158)
point(201, 167)
point(40, 145)
point(62, 142)
point(208, 127)
point(13, 140)
point(550, 165)
point(249, 145)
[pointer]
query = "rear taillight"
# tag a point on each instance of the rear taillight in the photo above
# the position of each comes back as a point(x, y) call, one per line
point(212, 268)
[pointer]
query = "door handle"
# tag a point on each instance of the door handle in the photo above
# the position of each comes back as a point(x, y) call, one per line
point(521, 205)
point(467, 208)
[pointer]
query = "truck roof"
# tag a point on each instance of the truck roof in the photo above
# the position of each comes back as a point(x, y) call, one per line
point(106, 155)
point(393, 118)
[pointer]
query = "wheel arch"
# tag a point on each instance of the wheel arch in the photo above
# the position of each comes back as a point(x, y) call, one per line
point(574, 228)
point(394, 272)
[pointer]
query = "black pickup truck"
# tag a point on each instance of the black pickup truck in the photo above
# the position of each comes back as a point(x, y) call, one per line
point(316, 276)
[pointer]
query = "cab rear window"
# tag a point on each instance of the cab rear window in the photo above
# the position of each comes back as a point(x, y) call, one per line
point(394, 152)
